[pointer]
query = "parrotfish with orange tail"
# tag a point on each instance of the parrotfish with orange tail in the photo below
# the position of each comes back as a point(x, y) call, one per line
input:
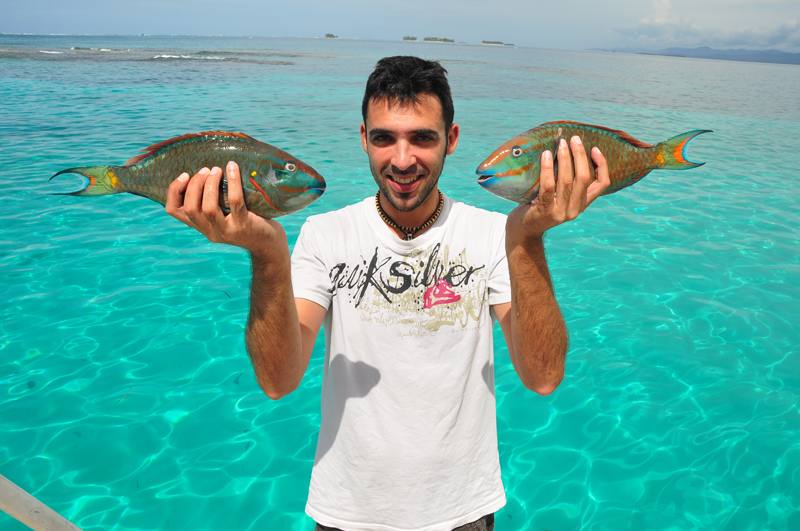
point(275, 183)
point(512, 170)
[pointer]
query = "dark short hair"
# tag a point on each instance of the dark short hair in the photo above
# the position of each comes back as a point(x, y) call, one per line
point(402, 78)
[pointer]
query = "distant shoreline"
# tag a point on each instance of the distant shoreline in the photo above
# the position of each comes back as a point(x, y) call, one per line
point(749, 56)
point(742, 55)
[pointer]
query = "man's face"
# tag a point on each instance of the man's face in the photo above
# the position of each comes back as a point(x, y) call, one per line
point(406, 146)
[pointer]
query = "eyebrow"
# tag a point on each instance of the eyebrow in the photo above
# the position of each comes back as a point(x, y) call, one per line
point(378, 131)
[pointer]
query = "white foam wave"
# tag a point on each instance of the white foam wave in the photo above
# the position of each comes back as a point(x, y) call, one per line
point(50, 51)
point(194, 57)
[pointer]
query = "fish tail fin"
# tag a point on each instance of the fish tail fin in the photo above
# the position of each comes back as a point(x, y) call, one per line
point(670, 154)
point(103, 180)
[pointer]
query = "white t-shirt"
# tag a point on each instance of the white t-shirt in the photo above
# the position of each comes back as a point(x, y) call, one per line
point(408, 439)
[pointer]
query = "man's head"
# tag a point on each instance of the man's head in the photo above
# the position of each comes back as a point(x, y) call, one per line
point(408, 129)
point(403, 78)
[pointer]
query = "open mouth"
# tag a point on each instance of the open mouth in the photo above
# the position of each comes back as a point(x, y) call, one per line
point(404, 184)
point(405, 180)
point(485, 175)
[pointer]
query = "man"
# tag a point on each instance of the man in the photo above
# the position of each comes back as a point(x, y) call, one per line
point(407, 283)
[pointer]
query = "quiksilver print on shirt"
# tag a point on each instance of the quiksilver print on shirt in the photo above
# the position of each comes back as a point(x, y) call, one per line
point(431, 287)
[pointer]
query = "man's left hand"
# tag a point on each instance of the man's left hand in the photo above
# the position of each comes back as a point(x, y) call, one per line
point(563, 199)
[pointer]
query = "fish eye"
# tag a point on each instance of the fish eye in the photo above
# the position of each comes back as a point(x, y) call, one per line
point(290, 166)
point(516, 151)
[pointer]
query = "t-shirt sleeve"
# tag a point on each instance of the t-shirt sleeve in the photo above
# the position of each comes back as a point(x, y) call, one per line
point(310, 278)
point(499, 280)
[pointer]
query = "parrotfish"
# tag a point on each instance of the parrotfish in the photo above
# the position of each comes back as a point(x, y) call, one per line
point(275, 183)
point(512, 170)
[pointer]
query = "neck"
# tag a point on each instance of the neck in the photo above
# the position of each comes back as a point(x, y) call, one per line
point(409, 232)
point(412, 218)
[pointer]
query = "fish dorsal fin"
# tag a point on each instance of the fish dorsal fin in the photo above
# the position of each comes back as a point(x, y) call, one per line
point(149, 151)
point(622, 134)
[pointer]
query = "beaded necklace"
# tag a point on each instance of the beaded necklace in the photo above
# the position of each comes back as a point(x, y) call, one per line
point(409, 231)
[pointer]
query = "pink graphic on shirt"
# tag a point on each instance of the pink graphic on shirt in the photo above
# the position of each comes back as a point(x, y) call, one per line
point(439, 293)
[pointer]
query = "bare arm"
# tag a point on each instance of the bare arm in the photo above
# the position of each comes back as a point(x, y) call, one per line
point(280, 331)
point(533, 325)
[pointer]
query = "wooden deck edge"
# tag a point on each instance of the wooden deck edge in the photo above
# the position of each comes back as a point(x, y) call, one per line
point(30, 511)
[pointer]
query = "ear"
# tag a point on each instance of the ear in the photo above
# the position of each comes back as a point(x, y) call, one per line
point(452, 138)
point(363, 137)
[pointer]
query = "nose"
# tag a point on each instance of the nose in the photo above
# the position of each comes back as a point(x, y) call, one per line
point(403, 158)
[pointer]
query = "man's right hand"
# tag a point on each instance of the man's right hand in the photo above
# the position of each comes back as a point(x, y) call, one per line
point(195, 201)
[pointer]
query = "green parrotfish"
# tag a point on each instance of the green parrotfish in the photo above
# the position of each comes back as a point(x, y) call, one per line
point(512, 170)
point(275, 183)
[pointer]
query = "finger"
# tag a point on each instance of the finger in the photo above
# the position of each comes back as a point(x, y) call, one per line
point(565, 174)
point(174, 203)
point(603, 181)
point(193, 199)
point(577, 200)
point(235, 192)
point(547, 179)
point(210, 205)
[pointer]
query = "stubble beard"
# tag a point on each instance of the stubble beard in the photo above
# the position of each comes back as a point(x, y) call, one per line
point(424, 192)
point(422, 195)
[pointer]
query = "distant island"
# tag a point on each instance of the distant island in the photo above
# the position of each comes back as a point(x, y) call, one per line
point(704, 52)
point(496, 43)
point(331, 36)
point(438, 39)
point(409, 38)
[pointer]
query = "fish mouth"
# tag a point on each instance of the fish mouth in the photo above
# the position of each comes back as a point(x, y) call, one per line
point(316, 183)
point(485, 175)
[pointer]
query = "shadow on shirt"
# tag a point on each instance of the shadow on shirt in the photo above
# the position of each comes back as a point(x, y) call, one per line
point(488, 377)
point(361, 378)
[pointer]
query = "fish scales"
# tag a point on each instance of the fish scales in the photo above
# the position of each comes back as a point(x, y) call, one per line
point(151, 176)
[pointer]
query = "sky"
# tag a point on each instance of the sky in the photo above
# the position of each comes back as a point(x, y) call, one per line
point(562, 24)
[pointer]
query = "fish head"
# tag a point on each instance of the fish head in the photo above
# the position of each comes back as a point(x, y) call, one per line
point(512, 170)
point(284, 183)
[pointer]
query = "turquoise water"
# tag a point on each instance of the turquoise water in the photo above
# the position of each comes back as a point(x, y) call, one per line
point(127, 399)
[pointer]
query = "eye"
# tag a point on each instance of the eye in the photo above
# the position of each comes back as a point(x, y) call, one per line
point(290, 166)
point(516, 151)
point(380, 139)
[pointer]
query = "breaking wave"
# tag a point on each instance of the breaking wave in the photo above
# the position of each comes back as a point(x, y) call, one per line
point(167, 56)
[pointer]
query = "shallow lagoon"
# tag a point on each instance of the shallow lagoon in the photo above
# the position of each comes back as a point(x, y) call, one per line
point(126, 396)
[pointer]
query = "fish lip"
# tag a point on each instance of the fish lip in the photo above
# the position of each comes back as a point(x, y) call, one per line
point(485, 175)
point(318, 184)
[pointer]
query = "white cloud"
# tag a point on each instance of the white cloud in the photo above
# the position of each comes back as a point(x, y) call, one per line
point(663, 29)
point(663, 13)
